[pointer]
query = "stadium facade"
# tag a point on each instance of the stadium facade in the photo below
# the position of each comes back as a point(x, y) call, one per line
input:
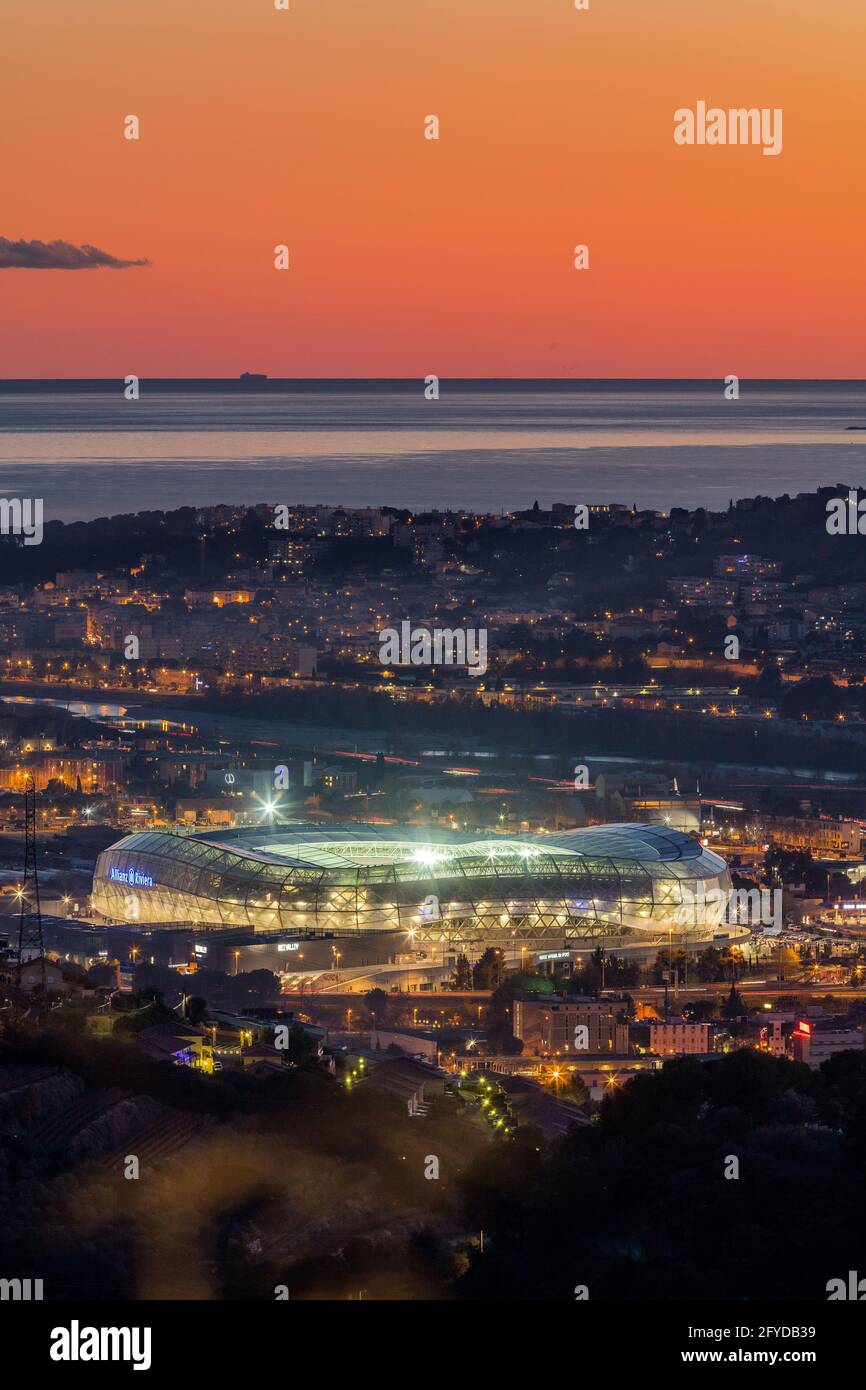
point(620, 882)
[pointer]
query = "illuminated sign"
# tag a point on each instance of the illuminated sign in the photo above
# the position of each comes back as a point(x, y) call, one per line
point(554, 955)
point(200, 950)
point(288, 945)
point(131, 877)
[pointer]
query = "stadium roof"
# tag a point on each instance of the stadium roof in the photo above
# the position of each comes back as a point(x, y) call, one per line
point(314, 846)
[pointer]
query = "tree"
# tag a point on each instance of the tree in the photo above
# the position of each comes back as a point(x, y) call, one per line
point(150, 995)
point(667, 959)
point(700, 1010)
point(462, 978)
point(816, 697)
point(788, 866)
point(587, 978)
point(578, 1088)
point(263, 985)
point(195, 1010)
point(710, 965)
point(489, 969)
point(769, 682)
point(377, 1004)
point(620, 973)
point(733, 1006)
point(500, 1035)
point(303, 1047)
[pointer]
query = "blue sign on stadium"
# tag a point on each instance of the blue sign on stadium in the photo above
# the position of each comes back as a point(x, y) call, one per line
point(131, 877)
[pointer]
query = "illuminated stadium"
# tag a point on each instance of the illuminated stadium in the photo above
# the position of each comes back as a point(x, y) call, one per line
point(620, 882)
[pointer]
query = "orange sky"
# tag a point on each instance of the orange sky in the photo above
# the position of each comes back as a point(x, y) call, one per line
point(410, 256)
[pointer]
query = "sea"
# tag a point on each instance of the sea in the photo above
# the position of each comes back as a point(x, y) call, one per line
point(482, 446)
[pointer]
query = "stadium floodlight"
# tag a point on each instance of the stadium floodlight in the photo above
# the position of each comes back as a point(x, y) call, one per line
point(428, 855)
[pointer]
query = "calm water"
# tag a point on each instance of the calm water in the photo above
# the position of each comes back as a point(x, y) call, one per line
point(91, 453)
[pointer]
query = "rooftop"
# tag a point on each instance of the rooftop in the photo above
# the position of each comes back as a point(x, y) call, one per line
point(311, 846)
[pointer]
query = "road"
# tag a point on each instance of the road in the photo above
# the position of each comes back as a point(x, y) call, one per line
point(765, 988)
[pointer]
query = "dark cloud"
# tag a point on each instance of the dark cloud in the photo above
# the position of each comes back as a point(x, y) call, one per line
point(57, 255)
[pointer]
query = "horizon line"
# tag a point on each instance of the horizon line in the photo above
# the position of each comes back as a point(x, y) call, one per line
point(261, 381)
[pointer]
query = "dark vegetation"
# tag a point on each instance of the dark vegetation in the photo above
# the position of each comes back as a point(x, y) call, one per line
point(286, 1179)
point(620, 731)
point(638, 1205)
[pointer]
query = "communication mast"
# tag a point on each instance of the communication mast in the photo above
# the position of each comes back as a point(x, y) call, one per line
point(30, 921)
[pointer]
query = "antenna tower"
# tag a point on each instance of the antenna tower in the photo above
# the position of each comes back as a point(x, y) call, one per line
point(30, 921)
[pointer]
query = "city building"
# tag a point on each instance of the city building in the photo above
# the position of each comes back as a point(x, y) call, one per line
point(31, 975)
point(745, 567)
point(831, 838)
point(776, 1028)
point(815, 1039)
point(88, 772)
point(421, 1043)
point(409, 1081)
point(553, 1024)
point(676, 1037)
